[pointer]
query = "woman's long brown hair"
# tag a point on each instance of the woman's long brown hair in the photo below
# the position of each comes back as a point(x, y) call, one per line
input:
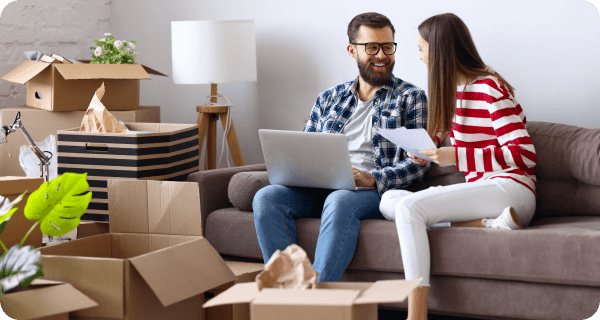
point(451, 51)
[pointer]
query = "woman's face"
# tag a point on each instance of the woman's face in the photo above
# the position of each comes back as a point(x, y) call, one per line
point(424, 48)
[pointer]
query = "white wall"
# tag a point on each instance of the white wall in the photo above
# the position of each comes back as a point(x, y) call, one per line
point(546, 49)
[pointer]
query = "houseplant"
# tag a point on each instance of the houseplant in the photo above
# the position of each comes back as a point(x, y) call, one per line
point(111, 51)
point(57, 205)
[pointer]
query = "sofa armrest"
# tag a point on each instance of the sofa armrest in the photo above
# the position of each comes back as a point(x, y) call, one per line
point(213, 185)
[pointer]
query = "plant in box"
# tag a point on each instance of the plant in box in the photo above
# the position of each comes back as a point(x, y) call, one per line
point(57, 205)
point(111, 51)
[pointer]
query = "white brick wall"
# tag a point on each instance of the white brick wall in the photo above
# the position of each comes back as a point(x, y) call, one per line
point(67, 28)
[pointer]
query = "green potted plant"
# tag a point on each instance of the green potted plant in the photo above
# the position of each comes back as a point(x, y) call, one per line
point(57, 205)
point(111, 51)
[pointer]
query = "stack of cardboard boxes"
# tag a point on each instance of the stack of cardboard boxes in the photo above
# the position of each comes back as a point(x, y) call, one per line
point(58, 94)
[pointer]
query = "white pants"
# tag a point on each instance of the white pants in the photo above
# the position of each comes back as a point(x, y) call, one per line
point(454, 203)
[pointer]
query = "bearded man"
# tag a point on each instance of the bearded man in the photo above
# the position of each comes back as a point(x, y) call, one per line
point(376, 99)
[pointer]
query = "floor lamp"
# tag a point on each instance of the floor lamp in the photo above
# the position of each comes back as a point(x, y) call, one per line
point(213, 52)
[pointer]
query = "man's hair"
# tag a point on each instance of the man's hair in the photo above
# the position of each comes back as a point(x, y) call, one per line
point(369, 19)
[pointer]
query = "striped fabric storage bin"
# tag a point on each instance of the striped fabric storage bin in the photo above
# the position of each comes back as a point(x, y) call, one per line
point(169, 152)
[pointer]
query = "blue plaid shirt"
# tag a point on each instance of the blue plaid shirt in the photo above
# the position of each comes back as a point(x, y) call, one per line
point(397, 104)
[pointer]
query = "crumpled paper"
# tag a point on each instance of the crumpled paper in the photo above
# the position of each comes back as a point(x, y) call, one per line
point(30, 162)
point(98, 119)
point(289, 269)
point(36, 55)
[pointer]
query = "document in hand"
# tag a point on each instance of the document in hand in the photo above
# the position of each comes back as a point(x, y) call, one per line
point(411, 140)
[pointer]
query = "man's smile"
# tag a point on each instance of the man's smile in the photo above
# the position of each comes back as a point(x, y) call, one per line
point(379, 65)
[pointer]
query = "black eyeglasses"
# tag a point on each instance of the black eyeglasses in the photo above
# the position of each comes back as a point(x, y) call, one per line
point(372, 48)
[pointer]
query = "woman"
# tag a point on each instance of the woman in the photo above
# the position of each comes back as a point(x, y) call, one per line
point(476, 107)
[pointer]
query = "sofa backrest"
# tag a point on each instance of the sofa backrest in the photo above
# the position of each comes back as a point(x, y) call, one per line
point(567, 169)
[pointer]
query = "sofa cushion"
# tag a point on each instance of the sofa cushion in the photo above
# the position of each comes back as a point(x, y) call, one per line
point(244, 185)
point(568, 169)
point(560, 250)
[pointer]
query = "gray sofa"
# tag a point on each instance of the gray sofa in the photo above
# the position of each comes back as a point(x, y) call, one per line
point(550, 270)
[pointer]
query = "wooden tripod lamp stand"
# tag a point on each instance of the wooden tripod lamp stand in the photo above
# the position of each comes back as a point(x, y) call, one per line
point(214, 51)
point(207, 128)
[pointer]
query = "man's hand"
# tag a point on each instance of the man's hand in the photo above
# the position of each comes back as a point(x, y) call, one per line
point(363, 179)
point(445, 156)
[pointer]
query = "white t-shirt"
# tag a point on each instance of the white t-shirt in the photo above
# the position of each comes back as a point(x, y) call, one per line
point(358, 132)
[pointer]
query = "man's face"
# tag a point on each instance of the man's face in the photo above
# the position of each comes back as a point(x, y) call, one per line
point(375, 70)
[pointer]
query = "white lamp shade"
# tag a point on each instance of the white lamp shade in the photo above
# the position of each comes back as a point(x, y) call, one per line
point(210, 51)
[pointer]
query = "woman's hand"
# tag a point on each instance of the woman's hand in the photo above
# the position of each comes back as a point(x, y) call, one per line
point(445, 156)
point(363, 179)
point(417, 160)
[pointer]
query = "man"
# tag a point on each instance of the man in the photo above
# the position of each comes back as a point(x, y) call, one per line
point(375, 99)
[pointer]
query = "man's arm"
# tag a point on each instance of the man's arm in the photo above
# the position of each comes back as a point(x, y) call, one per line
point(406, 173)
point(313, 119)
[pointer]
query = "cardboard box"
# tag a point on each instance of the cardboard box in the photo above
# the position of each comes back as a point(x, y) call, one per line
point(44, 300)
point(329, 301)
point(59, 86)
point(244, 272)
point(154, 264)
point(170, 152)
point(41, 123)
point(18, 226)
point(91, 228)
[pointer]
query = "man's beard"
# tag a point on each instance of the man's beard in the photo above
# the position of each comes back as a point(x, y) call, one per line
point(376, 79)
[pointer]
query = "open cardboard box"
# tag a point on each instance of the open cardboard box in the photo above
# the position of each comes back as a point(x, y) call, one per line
point(18, 226)
point(329, 301)
point(244, 272)
point(57, 86)
point(154, 263)
point(44, 300)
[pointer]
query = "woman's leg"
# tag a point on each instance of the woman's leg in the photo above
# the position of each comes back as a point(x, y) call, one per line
point(454, 203)
point(388, 210)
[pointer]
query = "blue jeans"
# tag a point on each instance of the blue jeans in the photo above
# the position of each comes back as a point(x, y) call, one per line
point(275, 208)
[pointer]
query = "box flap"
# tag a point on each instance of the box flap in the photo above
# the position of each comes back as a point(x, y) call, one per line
point(245, 271)
point(18, 185)
point(388, 291)
point(44, 301)
point(25, 71)
point(308, 297)
point(174, 208)
point(183, 271)
point(239, 293)
point(127, 205)
point(101, 71)
point(156, 207)
point(148, 69)
point(152, 71)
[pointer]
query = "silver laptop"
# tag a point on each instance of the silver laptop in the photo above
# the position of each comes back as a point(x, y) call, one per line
point(308, 159)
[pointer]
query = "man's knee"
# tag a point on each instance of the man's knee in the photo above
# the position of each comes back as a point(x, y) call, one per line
point(266, 195)
point(341, 204)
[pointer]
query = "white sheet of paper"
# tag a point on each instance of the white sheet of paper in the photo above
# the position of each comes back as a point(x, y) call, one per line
point(411, 140)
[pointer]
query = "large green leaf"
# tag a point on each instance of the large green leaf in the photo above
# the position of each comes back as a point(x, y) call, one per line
point(60, 202)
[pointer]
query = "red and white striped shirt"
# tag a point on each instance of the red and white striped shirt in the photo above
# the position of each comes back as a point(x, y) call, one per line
point(489, 134)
